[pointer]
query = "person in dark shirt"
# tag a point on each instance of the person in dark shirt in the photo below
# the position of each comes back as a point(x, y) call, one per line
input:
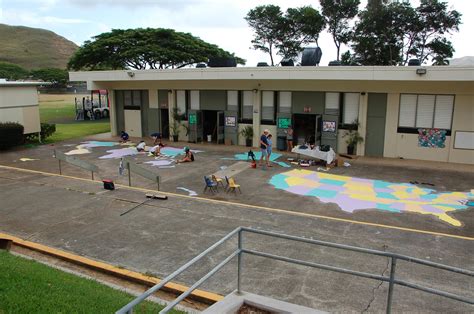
point(263, 147)
point(124, 136)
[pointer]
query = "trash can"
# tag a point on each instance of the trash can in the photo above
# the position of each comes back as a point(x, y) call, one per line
point(209, 138)
point(281, 143)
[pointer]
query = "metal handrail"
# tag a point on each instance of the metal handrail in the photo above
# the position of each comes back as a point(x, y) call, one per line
point(241, 250)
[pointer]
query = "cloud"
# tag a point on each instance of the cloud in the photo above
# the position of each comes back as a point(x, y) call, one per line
point(14, 17)
point(136, 4)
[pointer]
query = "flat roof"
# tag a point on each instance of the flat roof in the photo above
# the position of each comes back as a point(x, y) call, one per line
point(342, 73)
point(4, 82)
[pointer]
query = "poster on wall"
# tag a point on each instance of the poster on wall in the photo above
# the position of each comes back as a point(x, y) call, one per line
point(431, 138)
point(329, 126)
point(230, 121)
point(192, 118)
point(284, 123)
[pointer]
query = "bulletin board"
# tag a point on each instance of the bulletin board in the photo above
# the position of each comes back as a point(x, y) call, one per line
point(464, 140)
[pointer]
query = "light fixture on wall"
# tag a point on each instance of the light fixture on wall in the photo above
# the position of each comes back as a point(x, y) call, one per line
point(255, 90)
point(130, 73)
point(170, 91)
point(421, 71)
point(362, 93)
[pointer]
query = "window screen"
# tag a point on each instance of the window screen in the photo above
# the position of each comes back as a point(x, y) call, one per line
point(425, 111)
point(232, 100)
point(247, 105)
point(351, 108)
point(285, 102)
point(194, 99)
point(443, 112)
point(268, 105)
point(181, 101)
point(407, 111)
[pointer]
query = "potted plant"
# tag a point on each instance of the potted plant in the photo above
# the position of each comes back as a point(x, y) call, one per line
point(353, 137)
point(247, 132)
point(178, 117)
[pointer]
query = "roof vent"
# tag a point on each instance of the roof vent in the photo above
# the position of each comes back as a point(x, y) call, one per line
point(311, 56)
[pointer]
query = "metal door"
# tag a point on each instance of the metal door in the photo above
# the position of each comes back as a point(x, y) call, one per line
point(231, 128)
point(329, 130)
point(375, 132)
point(220, 127)
point(195, 126)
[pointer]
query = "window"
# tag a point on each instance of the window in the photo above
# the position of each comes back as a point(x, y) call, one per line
point(350, 108)
point(247, 106)
point(284, 100)
point(195, 100)
point(268, 107)
point(181, 101)
point(332, 103)
point(425, 111)
point(132, 100)
point(233, 100)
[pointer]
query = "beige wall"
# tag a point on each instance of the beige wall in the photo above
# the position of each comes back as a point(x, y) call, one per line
point(20, 104)
point(406, 145)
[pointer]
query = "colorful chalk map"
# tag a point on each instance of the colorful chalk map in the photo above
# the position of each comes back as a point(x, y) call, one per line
point(351, 193)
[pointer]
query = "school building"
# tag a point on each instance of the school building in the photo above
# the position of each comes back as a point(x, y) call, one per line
point(19, 103)
point(422, 113)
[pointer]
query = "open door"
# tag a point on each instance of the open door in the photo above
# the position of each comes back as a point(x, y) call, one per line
point(329, 130)
point(220, 127)
point(195, 126)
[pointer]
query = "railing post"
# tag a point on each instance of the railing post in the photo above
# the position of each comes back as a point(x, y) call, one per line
point(129, 174)
point(391, 284)
point(60, 172)
point(239, 263)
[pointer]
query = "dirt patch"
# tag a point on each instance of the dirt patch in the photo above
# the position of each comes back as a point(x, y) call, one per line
point(249, 309)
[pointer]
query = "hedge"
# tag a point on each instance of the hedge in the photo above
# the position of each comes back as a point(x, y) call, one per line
point(11, 134)
point(47, 129)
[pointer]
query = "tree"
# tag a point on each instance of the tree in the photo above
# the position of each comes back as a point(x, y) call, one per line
point(267, 22)
point(12, 71)
point(57, 77)
point(338, 13)
point(433, 22)
point(147, 48)
point(284, 34)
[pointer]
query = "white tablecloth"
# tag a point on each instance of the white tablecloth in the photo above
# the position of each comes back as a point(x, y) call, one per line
point(316, 153)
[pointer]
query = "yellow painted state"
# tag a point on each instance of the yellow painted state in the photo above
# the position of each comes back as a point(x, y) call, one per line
point(300, 181)
point(257, 207)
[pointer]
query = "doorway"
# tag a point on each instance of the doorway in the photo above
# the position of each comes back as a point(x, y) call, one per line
point(165, 123)
point(306, 129)
point(209, 124)
point(375, 132)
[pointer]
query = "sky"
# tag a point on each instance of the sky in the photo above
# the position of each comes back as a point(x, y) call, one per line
point(220, 22)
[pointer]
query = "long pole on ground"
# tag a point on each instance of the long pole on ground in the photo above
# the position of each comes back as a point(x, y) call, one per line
point(129, 175)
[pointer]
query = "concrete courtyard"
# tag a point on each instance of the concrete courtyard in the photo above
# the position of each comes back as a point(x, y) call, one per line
point(77, 215)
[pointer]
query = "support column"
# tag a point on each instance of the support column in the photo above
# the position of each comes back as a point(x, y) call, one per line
point(171, 105)
point(257, 106)
point(112, 113)
point(362, 118)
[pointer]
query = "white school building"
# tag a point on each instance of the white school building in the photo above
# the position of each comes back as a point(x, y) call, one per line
point(422, 113)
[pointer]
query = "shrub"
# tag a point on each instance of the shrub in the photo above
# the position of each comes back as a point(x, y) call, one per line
point(47, 129)
point(11, 134)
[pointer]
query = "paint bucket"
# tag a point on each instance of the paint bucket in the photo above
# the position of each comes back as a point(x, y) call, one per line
point(253, 165)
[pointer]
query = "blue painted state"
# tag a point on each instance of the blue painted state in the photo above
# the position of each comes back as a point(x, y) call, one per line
point(322, 193)
point(387, 207)
point(386, 195)
point(279, 181)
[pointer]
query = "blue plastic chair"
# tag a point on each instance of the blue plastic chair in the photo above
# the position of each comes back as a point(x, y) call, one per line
point(210, 185)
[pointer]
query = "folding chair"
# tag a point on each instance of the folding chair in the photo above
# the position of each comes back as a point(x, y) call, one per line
point(212, 186)
point(233, 186)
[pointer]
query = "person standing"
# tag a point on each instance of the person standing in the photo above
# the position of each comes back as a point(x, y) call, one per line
point(269, 148)
point(263, 147)
point(289, 138)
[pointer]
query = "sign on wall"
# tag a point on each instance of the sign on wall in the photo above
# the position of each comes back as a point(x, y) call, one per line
point(329, 126)
point(192, 118)
point(464, 140)
point(284, 123)
point(230, 121)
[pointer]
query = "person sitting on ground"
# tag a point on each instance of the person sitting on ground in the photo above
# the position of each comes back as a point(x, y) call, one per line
point(141, 146)
point(124, 137)
point(188, 157)
point(156, 138)
point(155, 150)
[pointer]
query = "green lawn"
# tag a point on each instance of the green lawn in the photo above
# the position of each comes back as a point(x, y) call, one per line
point(30, 287)
point(78, 129)
point(57, 112)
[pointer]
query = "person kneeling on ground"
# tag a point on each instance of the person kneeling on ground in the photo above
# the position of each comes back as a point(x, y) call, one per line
point(141, 146)
point(156, 138)
point(155, 150)
point(124, 136)
point(188, 157)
